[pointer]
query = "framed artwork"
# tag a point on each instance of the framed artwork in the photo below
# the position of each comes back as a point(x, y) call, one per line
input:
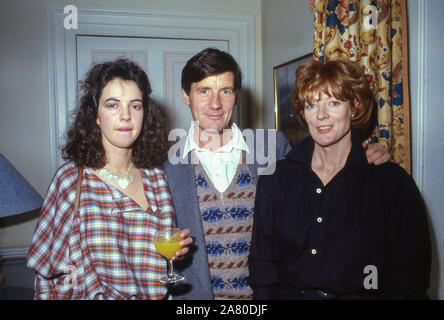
point(286, 119)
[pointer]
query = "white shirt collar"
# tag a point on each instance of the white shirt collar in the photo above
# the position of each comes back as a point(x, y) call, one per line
point(237, 141)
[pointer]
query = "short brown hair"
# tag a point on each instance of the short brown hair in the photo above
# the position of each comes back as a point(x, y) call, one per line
point(342, 79)
point(210, 62)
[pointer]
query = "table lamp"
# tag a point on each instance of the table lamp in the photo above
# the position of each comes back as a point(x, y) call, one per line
point(16, 194)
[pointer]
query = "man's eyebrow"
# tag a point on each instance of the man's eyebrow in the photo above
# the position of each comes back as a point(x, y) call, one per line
point(202, 87)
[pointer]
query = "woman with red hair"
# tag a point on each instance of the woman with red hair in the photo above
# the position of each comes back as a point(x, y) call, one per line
point(329, 225)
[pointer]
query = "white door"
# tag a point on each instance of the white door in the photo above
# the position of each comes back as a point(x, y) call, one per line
point(162, 60)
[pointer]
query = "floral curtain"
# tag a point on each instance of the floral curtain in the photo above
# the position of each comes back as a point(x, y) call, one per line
point(373, 33)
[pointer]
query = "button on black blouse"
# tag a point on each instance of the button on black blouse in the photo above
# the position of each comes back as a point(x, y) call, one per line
point(363, 233)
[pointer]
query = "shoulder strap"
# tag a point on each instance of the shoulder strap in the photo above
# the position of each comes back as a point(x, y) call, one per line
point(79, 186)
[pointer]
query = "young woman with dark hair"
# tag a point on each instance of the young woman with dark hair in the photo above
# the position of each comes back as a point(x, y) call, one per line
point(106, 250)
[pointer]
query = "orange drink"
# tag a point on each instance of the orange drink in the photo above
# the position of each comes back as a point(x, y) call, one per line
point(167, 247)
point(167, 243)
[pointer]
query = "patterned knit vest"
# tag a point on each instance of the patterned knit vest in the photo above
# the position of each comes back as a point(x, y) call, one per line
point(227, 220)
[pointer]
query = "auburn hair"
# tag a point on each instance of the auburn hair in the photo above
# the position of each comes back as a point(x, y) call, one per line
point(343, 80)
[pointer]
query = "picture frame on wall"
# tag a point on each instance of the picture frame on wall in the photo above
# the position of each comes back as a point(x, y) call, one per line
point(286, 120)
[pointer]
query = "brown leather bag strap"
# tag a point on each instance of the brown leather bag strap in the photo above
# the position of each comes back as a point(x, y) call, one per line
point(78, 187)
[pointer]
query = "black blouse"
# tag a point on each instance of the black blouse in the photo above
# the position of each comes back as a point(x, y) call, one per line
point(368, 223)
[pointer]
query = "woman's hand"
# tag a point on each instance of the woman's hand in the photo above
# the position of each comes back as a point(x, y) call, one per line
point(186, 241)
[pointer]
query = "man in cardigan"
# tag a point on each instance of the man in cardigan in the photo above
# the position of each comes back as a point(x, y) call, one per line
point(212, 173)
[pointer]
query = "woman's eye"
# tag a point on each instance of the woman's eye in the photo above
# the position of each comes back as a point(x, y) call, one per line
point(111, 106)
point(334, 103)
point(310, 106)
point(136, 107)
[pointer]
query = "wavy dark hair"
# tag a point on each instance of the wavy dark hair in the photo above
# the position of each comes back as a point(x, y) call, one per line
point(84, 139)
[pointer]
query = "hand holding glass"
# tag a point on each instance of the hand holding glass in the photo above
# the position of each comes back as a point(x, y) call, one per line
point(167, 243)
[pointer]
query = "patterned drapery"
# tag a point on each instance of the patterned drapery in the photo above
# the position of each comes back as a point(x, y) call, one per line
point(373, 33)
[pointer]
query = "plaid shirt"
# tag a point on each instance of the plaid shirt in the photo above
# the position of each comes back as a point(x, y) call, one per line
point(107, 250)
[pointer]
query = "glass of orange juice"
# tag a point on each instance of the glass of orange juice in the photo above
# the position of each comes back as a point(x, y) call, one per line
point(167, 243)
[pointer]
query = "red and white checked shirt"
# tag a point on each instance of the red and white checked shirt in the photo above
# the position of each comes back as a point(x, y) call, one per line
point(108, 247)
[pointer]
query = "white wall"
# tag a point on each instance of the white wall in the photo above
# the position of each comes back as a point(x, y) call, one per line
point(427, 118)
point(287, 33)
point(24, 117)
point(24, 114)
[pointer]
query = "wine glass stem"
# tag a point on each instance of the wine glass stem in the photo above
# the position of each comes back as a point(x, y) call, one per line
point(170, 268)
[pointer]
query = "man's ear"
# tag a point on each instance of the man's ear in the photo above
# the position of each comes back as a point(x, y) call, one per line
point(185, 98)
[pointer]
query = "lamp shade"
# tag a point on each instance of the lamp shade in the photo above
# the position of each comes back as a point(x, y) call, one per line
point(16, 194)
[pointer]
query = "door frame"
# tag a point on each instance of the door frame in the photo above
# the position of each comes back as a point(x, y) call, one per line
point(237, 29)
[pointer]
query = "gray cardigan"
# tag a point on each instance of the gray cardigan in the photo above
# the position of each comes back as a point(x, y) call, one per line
point(181, 181)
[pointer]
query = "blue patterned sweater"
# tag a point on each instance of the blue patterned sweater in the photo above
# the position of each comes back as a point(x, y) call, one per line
point(227, 220)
